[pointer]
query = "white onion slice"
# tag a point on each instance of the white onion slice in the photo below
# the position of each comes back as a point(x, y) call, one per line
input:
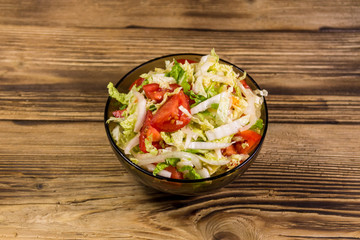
point(252, 121)
point(207, 145)
point(218, 153)
point(204, 173)
point(185, 111)
point(207, 103)
point(250, 109)
point(227, 129)
point(183, 163)
point(164, 173)
point(187, 140)
point(150, 167)
point(149, 158)
point(132, 143)
point(141, 111)
point(189, 135)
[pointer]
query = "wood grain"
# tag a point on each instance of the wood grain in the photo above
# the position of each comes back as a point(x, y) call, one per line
point(204, 14)
point(288, 193)
point(89, 106)
point(310, 77)
point(59, 178)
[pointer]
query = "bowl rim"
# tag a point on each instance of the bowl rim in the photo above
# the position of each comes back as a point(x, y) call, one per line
point(229, 172)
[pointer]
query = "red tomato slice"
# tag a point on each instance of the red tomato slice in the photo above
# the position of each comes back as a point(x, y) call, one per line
point(251, 138)
point(148, 130)
point(118, 113)
point(169, 118)
point(230, 150)
point(182, 61)
point(174, 172)
point(154, 92)
point(191, 102)
point(137, 82)
point(243, 82)
point(157, 145)
point(174, 86)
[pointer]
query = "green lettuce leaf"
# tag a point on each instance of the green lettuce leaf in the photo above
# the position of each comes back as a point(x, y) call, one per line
point(114, 93)
point(152, 108)
point(215, 105)
point(189, 172)
point(168, 162)
point(258, 125)
point(213, 89)
point(159, 167)
point(197, 98)
point(172, 161)
point(180, 75)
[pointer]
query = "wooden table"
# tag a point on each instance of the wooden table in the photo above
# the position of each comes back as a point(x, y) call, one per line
point(59, 179)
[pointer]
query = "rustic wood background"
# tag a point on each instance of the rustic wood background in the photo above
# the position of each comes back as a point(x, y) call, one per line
point(59, 178)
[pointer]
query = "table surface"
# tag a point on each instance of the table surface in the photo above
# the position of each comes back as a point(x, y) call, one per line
point(59, 178)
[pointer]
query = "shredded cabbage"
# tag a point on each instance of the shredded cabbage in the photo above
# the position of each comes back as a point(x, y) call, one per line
point(207, 103)
point(114, 93)
point(150, 147)
point(221, 107)
point(227, 129)
point(162, 80)
point(223, 110)
point(208, 145)
point(149, 158)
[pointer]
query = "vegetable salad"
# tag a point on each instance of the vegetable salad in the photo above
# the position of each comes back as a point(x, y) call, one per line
point(188, 120)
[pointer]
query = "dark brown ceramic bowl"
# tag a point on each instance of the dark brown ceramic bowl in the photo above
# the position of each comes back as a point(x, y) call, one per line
point(178, 186)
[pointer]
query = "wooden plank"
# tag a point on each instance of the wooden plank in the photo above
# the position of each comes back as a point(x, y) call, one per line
point(314, 109)
point(313, 76)
point(215, 15)
point(89, 106)
point(61, 180)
